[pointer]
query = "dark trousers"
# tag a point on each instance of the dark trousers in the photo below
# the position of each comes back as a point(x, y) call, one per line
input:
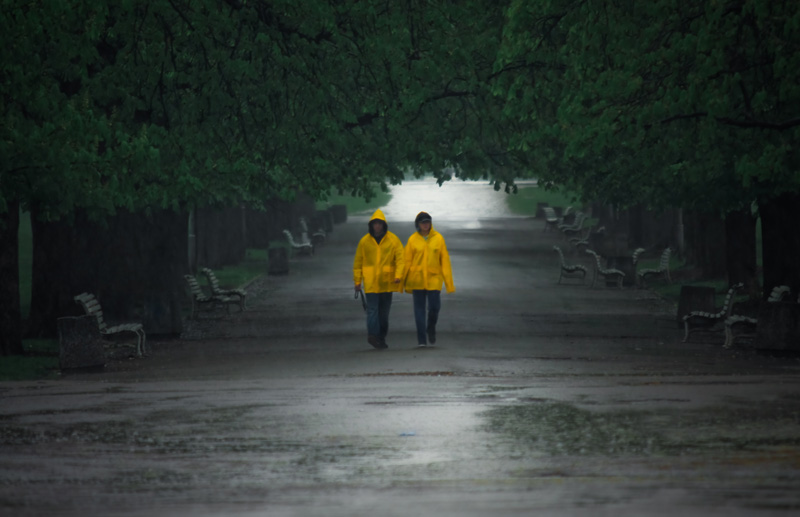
point(378, 307)
point(433, 300)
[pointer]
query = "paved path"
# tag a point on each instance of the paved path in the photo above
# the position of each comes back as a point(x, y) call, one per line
point(539, 399)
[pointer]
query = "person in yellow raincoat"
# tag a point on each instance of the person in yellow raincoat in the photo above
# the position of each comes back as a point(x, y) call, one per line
point(427, 268)
point(378, 269)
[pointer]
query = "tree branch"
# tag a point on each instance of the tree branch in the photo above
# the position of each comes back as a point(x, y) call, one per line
point(747, 124)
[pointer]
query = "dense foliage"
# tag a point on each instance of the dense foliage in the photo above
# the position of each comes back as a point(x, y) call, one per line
point(132, 104)
point(663, 102)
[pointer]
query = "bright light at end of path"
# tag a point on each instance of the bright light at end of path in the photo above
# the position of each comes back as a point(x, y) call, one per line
point(455, 200)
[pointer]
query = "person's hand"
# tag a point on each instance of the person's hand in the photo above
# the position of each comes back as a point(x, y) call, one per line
point(358, 287)
point(396, 280)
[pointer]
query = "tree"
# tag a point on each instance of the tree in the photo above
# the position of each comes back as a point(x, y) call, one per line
point(126, 107)
point(690, 105)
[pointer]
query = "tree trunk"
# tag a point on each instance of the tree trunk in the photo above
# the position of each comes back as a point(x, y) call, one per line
point(221, 238)
point(780, 244)
point(146, 283)
point(705, 243)
point(257, 222)
point(53, 270)
point(740, 250)
point(134, 265)
point(649, 229)
point(678, 232)
point(10, 317)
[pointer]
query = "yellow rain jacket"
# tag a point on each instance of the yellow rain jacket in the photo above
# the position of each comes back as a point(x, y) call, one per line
point(376, 266)
point(428, 263)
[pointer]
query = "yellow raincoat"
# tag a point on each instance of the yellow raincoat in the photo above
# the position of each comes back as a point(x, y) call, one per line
point(377, 266)
point(428, 263)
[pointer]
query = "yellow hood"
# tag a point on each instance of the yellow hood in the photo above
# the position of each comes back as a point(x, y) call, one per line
point(378, 215)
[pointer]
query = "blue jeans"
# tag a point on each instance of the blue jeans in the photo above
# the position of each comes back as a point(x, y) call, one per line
point(378, 307)
point(434, 302)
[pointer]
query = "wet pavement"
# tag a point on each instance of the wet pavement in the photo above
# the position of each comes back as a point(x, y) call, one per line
point(539, 398)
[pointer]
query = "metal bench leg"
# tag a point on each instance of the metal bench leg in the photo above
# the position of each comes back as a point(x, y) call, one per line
point(728, 337)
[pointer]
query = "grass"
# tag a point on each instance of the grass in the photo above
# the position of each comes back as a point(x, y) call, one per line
point(672, 292)
point(39, 362)
point(26, 368)
point(255, 264)
point(524, 202)
point(25, 260)
point(356, 204)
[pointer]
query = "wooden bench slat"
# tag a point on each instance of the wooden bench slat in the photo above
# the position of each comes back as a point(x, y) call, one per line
point(91, 305)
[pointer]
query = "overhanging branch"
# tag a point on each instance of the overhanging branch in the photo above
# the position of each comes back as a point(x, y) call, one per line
point(747, 124)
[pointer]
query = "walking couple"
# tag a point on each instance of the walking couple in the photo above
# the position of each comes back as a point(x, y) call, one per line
point(383, 267)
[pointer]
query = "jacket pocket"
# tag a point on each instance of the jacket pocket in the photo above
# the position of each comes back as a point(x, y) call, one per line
point(369, 276)
point(414, 277)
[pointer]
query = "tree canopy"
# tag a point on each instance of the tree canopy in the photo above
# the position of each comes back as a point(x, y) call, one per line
point(663, 102)
point(129, 104)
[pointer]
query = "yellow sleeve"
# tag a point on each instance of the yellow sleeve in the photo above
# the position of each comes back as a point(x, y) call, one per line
point(399, 260)
point(447, 270)
point(357, 263)
point(407, 256)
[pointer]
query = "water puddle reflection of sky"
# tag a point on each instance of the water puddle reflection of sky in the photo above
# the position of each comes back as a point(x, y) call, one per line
point(465, 201)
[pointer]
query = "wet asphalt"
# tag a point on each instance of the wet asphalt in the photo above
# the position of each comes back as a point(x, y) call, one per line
point(538, 399)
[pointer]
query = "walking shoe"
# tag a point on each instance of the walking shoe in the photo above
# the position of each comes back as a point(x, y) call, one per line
point(376, 341)
point(432, 336)
point(383, 343)
point(421, 345)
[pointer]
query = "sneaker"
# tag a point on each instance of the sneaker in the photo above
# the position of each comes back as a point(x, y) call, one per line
point(383, 343)
point(432, 336)
point(421, 345)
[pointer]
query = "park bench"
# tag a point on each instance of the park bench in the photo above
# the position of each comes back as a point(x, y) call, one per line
point(200, 299)
point(574, 224)
point(551, 220)
point(697, 321)
point(568, 216)
point(318, 236)
point(216, 290)
point(571, 229)
point(303, 247)
point(568, 270)
point(635, 256)
point(662, 269)
point(91, 305)
point(606, 273)
point(635, 259)
point(582, 241)
point(738, 325)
